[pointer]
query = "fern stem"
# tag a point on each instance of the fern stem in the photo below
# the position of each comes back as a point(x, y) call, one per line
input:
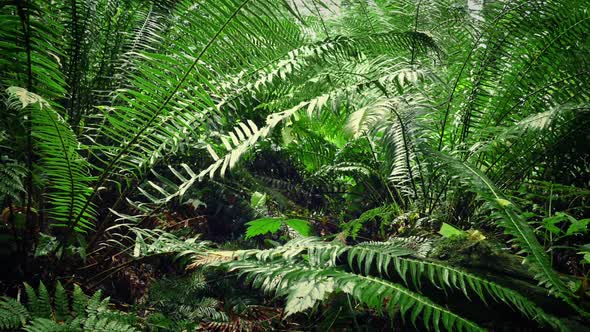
point(320, 17)
point(362, 4)
point(26, 25)
point(353, 313)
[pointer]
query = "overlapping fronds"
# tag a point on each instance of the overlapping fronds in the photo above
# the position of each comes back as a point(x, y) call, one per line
point(376, 111)
point(171, 92)
point(44, 312)
point(380, 294)
point(510, 218)
point(12, 314)
point(140, 242)
point(499, 82)
point(142, 119)
point(285, 270)
point(31, 49)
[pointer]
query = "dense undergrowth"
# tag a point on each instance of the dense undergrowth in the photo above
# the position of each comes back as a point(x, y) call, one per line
point(255, 165)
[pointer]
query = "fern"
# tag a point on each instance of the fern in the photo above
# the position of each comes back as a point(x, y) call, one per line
point(272, 225)
point(283, 270)
point(40, 315)
point(105, 324)
point(186, 299)
point(248, 137)
point(45, 325)
point(12, 314)
point(79, 302)
point(31, 58)
point(44, 302)
point(12, 174)
point(386, 213)
point(243, 136)
point(39, 303)
point(375, 293)
point(511, 220)
point(443, 276)
point(67, 171)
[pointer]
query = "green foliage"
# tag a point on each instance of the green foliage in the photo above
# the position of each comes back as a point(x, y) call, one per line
point(57, 146)
point(306, 261)
point(511, 219)
point(300, 226)
point(367, 290)
point(386, 214)
point(585, 251)
point(184, 302)
point(12, 314)
point(90, 112)
point(447, 230)
point(148, 242)
point(575, 226)
point(306, 293)
point(38, 304)
point(263, 226)
point(79, 302)
point(61, 303)
point(272, 225)
point(12, 174)
point(409, 113)
point(46, 313)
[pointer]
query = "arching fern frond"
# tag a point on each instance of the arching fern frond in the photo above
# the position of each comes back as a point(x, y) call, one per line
point(387, 256)
point(379, 294)
point(243, 137)
point(68, 178)
point(311, 260)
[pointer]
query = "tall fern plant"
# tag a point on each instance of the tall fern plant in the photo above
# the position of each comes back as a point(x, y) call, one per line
point(387, 84)
point(146, 86)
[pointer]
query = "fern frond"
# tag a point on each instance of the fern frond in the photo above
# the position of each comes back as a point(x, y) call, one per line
point(67, 171)
point(79, 302)
point(45, 307)
point(12, 314)
point(514, 224)
point(12, 174)
point(61, 303)
point(96, 304)
point(444, 276)
point(251, 135)
point(32, 57)
point(376, 293)
point(386, 258)
point(33, 301)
